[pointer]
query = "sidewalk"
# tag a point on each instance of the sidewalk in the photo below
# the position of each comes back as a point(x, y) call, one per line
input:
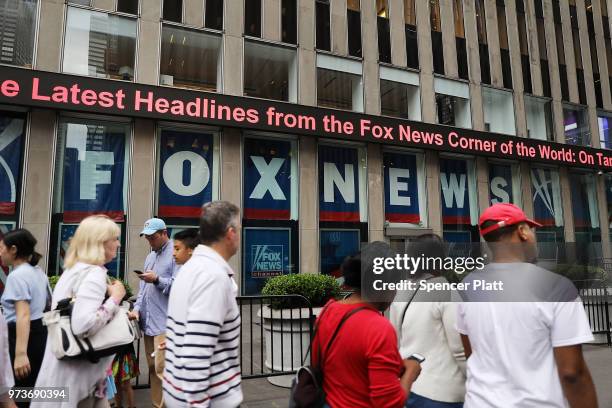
point(259, 393)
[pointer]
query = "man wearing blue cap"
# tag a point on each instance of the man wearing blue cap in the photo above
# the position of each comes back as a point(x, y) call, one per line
point(151, 307)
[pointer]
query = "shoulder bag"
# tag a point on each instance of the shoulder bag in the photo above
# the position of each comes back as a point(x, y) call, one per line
point(107, 341)
point(307, 386)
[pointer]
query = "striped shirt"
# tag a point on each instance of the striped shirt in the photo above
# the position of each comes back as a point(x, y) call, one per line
point(203, 335)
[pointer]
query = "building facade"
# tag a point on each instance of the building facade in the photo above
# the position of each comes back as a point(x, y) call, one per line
point(329, 122)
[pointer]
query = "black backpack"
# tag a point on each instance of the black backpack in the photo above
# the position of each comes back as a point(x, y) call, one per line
point(307, 386)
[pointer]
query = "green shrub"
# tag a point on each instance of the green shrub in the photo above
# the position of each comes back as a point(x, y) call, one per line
point(579, 274)
point(317, 288)
point(53, 281)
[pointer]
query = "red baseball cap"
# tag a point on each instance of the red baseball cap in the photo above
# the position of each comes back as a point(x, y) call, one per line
point(505, 214)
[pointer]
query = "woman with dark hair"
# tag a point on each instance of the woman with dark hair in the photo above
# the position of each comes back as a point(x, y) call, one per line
point(23, 302)
point(362, 368)
point(426, 325)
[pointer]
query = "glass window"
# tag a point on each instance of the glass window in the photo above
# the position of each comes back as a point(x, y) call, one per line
point(436, 37)
point(548, 211)
point(399, 93)
point(462, 60)
point(339, 83)
point(289, 21)
point(270, 179)
point(12, 140)
point(353, 15)
point(342, 204)
point(586, 215)
point(384, 33)
point(17, 31)
point(604, 120)
point(539, 118)
point(270, 71)
point(99, 45)
point(404, 180)
point(459, 200)
point(400, 100)
point(453, 103)
point(187, 173)
point(504, 183)
point(503, 44)
point(412, 47)
point(609, 199)
point(214, 14)
point(575, 121)
point(524, 46)
point(173, 10)
point(323, 40)
point(190, 59)
point(91, 178)
point(342, 184)
point(252, 18)
point(543, 50)
point(481, 28)
point(453, 111)
point(498, 108)
point(127, 6)
point(270, 209)
point(334, 246)
point(80, 2)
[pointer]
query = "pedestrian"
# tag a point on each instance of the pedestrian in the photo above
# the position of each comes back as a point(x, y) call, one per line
point(7, 380)
point(202, 361)
point(94, 244)
point(185, 242)
point(23, 302)
point(362, 368)
point(152, 303)
point(524, 351)
point(428, 327)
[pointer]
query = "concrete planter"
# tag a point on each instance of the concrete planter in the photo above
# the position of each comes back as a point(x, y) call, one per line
point(286, 340)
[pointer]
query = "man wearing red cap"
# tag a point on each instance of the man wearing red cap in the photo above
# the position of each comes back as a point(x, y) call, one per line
point(524, 345)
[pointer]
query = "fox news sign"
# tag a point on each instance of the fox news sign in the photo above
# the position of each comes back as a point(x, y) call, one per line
point(266, 261)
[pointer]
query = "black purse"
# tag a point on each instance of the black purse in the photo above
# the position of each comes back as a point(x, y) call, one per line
point(307, 386)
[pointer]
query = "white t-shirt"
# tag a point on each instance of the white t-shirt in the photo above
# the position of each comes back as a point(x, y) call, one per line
point(512, 362)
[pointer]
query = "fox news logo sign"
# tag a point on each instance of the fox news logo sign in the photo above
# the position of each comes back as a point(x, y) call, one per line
point(266, 261)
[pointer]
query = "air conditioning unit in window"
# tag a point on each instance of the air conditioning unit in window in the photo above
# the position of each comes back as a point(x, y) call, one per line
point(166, 80)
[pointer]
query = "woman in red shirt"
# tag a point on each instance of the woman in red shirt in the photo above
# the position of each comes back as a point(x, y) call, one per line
point(363, 367)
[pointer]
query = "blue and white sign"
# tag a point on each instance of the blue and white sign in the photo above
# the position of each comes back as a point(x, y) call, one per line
point(401, 188)
point(11, 132)
point(185, 176)
point(500, 183)
point(93, 172)
point(267, 253)
point(336, 245)
point(338, 184)
point(66, 232)
point(454, 180)
point(546, 197)
point(267, 179)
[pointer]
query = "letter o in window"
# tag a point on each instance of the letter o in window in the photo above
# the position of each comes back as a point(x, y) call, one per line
point(173, 173)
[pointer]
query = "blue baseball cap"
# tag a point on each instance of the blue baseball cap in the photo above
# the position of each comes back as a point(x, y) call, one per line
point(152, 226)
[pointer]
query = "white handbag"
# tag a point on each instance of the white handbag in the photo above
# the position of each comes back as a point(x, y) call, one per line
point(107, 341)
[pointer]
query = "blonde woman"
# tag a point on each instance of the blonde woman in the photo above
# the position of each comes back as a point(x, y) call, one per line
point(95, 243)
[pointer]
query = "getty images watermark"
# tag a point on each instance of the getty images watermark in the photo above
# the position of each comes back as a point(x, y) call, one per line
point(411, 265)
point(468, 273)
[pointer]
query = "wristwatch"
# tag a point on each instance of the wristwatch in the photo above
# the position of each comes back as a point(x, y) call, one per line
point(416, 356)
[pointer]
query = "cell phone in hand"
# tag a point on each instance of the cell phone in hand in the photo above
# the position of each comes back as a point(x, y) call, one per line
point(138, 272)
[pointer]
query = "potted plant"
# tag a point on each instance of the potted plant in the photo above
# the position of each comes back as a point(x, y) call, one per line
point(287, 321)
